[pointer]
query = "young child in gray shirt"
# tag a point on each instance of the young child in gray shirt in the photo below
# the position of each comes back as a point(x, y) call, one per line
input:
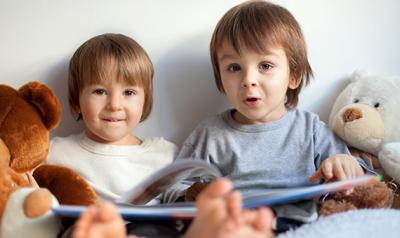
point(260, 63)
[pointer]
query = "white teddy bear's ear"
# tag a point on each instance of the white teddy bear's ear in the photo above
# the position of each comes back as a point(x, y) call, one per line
point(358, 74)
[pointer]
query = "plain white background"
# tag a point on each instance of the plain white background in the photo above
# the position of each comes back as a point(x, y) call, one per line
point(37, 38)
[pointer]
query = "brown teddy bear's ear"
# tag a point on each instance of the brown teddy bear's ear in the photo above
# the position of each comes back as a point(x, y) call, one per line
point(44, 101)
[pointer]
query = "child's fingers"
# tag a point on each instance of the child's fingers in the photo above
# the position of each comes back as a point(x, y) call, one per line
point(325, 172)
point(339, 172)
point(260, 221)
point(338, 167)
point(264, 219)
point(217, 188)
point(212, 201)
point(107, 211)
point(353, 173)
point(350, 166)
point(349, 170)
point(316, 176)
point(84, 221)
point(357, 167)
point(359, 170)
point(234, 206)
point(89, 214)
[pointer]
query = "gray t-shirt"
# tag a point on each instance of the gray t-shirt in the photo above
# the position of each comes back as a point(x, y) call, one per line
point(280, 154)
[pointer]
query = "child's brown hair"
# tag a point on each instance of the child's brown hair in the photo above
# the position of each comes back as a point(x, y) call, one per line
point(110, 57)
point(257, 25)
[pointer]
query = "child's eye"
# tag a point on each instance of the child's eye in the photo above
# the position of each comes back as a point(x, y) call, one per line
point(234, 68)
point(99, 91)
point(265, 66)
point(130, 92)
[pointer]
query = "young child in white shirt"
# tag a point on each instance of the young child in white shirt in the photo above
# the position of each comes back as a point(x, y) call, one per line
point(110, 89)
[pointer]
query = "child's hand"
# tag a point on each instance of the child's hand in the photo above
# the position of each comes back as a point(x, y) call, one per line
point(338, 167)
point(193, 191)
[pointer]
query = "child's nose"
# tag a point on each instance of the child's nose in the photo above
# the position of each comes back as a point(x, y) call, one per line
point(114, 102)
point(248, 84)
point(249, 80)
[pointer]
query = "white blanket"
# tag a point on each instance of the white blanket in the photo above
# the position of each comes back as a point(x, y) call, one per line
point(353, 224)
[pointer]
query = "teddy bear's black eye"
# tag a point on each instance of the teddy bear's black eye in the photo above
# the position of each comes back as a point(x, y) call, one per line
point(376, 105)
point(356, 100)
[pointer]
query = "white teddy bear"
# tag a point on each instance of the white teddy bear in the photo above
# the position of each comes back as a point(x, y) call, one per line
point(366, 115)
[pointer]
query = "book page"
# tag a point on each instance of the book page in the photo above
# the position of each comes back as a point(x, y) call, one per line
point(166, 177)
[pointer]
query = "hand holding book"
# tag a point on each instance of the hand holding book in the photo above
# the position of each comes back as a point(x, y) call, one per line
point(337, 167)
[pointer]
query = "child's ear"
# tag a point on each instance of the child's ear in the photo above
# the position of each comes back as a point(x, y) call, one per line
point(293, 82)
point(76, 111)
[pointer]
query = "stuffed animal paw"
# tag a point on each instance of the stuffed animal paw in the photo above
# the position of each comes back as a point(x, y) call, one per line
point(389, 157)
point(28, 214)
point(66, 185)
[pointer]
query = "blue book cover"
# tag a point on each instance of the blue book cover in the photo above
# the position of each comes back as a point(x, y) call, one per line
point(265, 198)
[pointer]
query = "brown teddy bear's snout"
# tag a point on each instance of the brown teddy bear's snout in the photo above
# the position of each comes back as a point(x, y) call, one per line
point(361, 126)
point(351, 114)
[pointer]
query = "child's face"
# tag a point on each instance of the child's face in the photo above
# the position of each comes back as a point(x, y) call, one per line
point(254, 83)
point(111, 111)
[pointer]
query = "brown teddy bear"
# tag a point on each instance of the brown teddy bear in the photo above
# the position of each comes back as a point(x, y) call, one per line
point(26, 117)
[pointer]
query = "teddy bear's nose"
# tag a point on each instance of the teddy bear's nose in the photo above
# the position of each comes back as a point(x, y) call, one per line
point(351, 114)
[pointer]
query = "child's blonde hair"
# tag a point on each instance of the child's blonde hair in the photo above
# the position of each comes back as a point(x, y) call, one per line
point(110, 57)
point(257, 25)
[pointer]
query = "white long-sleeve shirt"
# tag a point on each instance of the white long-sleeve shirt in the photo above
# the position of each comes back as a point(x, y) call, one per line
point(111, 170)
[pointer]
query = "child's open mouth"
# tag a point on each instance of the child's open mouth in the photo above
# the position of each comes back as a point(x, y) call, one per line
point(251, 101)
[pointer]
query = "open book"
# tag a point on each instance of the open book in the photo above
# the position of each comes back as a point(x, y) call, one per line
point(166, 177)
point(131, 205)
